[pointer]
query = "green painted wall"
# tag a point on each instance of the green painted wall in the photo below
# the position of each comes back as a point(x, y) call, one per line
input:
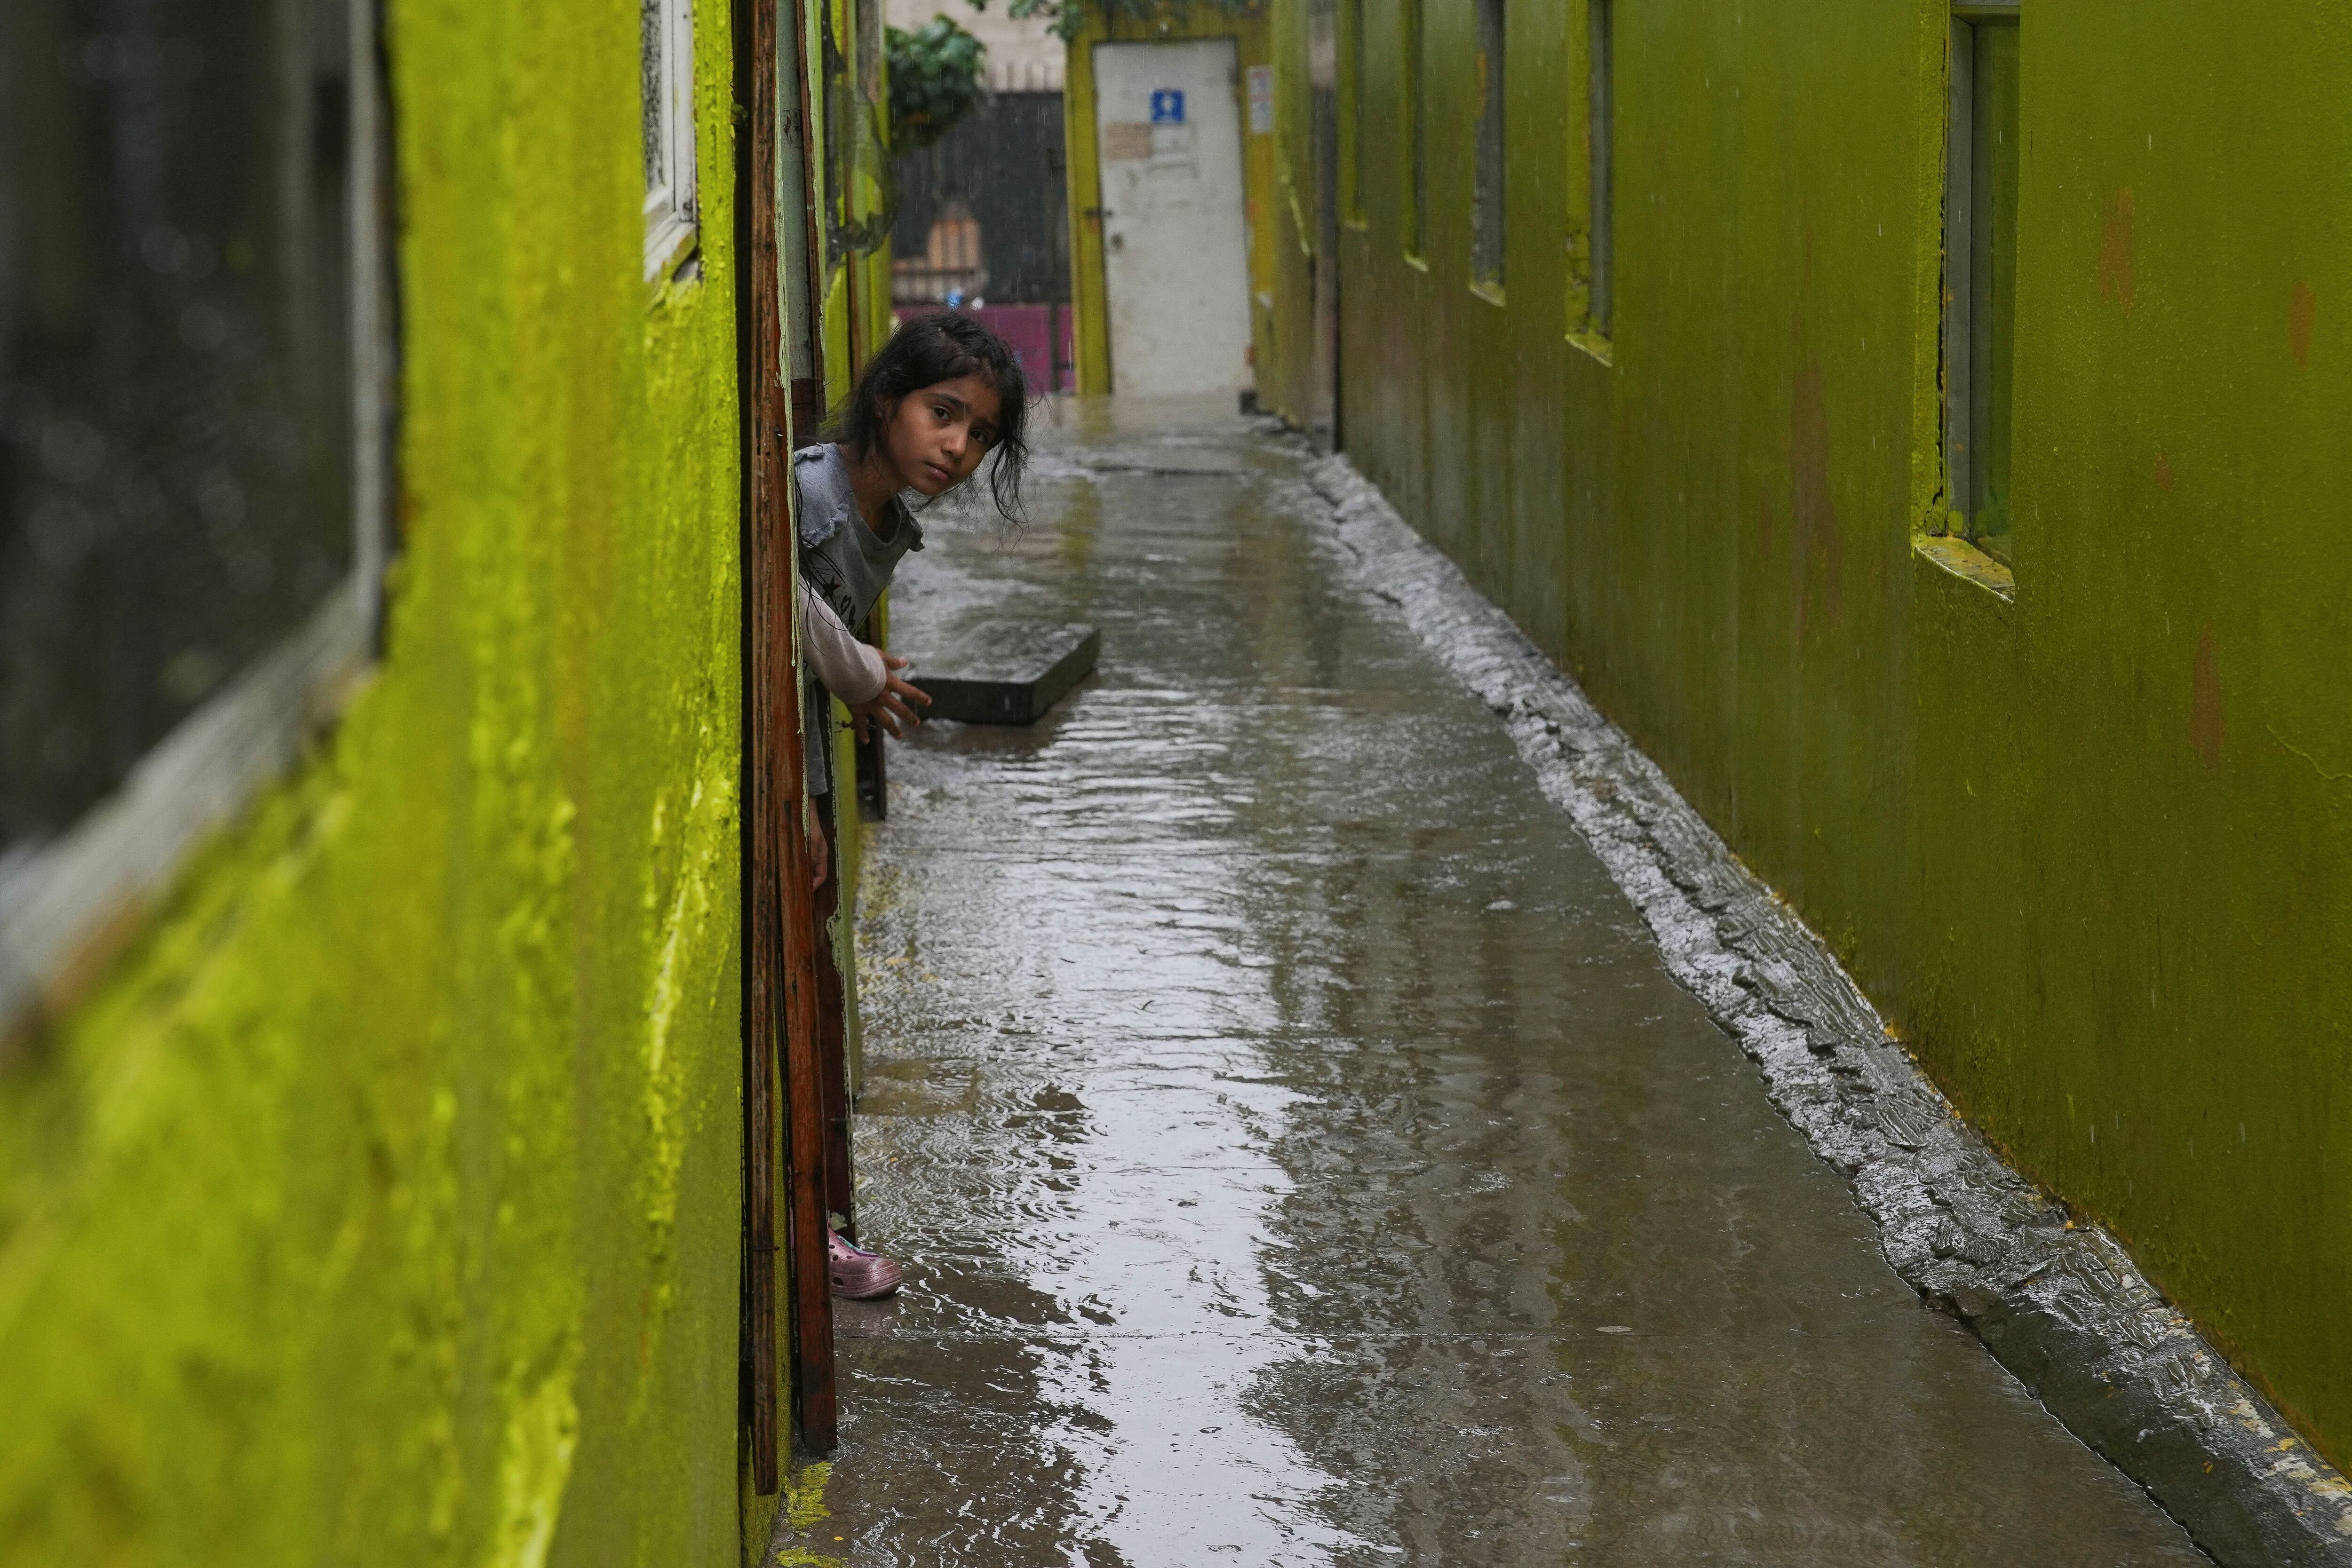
point(1282, 227)
point(2092, 849)
point(383, 1206)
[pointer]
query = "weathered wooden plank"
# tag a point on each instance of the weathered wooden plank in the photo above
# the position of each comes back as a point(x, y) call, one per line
point(812, 1287)
point(795, 401)
point(757, 337)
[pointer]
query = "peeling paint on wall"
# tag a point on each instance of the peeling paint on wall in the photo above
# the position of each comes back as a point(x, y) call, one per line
point(2205, 700)
point(2115, 251)
point(2302, 315)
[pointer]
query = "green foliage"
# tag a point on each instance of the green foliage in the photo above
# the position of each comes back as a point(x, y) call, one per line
point(1069, 16)
point(935, 76)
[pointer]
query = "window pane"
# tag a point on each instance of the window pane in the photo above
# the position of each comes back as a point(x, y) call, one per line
point(1486, 201)
point(1351, 166)
point(1992, 278)
point(175, 415)
point(1416, 115)
point(1602, 103)
point(650, 83)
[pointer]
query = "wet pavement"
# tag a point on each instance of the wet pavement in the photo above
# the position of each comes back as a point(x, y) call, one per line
point(1298, 1153)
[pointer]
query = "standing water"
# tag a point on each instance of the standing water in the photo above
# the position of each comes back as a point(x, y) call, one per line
point(1300, 1154)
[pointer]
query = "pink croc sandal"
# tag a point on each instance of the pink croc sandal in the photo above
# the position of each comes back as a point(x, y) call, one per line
point(859, 1274)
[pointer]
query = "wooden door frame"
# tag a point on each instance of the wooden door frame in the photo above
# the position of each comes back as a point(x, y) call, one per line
point(780, 932)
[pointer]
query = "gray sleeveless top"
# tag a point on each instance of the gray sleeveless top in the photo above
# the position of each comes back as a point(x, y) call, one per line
point(847, 565)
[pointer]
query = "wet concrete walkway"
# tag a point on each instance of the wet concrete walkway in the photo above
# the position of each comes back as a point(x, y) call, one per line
point(1297, 1152)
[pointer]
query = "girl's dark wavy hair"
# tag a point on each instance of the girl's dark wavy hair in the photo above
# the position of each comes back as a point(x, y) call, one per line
point(924, 352)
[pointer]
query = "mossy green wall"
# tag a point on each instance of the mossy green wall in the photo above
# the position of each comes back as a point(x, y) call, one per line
point(2089, 849)
point(384, 1206)
point(1282, 255)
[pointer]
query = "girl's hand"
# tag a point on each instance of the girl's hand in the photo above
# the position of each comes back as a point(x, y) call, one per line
point(888, 707)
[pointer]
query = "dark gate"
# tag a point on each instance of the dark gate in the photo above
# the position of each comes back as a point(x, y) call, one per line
point(983, 225)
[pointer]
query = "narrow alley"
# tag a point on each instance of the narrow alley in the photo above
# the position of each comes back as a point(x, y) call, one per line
point(1663, 879)
point(1298, 1152)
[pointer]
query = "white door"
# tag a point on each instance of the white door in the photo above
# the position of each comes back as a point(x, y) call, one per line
point(1168, 122)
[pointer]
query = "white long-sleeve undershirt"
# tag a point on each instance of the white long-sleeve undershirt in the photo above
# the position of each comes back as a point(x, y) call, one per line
point(851, 669)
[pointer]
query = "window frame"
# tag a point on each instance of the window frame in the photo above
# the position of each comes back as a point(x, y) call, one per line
point(1491, 148)
point(1957, 397)
point(672, 219)
point(69, 906)
point(1352, 113)
point(1415, 61)
point(1589, 246)
point(1600, 162)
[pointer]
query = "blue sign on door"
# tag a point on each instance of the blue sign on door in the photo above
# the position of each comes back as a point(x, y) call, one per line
point(1168, 106)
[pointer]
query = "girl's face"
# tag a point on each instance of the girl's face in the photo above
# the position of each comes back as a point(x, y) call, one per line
point(936, 436)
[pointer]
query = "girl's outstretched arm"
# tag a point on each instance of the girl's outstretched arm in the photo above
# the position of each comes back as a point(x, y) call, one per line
point(863, 676)
point(851, 669)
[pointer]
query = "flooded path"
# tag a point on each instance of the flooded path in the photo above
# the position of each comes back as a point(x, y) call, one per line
point(1297, 1152)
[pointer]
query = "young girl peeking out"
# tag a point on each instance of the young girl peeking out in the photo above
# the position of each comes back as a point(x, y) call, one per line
point(942, 395)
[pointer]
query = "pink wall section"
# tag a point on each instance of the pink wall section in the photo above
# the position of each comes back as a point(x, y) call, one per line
point(1030, 331)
